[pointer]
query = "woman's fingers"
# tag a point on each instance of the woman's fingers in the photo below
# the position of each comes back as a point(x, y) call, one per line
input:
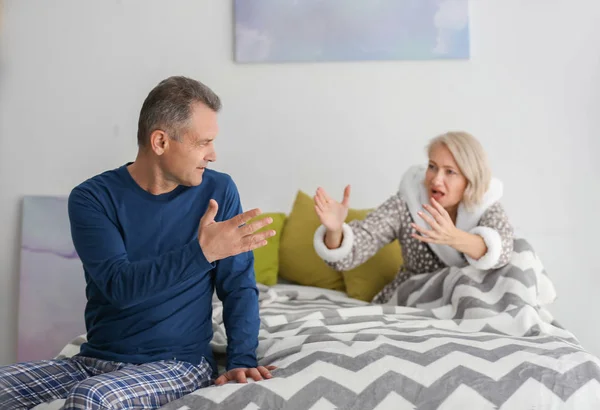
point(346, 197)
point(430, 221)
point(440, 209)
point(423, 231)
point(319, 202)
point(324, 196)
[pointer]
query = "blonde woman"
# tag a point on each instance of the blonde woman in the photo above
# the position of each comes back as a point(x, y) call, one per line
point(444, 214)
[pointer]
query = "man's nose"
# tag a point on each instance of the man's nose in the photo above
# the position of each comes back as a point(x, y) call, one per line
point(212, 156)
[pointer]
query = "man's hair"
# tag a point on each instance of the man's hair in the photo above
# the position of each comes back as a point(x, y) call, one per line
point(472, 161)
point(168, 107)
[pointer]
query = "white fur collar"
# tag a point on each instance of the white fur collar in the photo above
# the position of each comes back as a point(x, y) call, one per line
point(413, 191)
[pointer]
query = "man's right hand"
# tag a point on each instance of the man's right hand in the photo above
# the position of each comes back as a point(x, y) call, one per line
point(219, 240)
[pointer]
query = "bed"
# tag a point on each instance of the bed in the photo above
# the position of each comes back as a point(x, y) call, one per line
point(462, 339)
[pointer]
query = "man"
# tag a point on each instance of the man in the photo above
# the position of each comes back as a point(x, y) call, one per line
point(155, 238)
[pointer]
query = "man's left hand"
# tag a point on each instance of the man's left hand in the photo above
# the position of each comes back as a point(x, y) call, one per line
point(240, 375)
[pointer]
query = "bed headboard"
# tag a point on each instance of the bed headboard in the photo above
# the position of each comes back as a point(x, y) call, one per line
point(51, 285)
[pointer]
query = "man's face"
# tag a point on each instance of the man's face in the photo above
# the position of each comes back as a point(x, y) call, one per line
point(183, 162)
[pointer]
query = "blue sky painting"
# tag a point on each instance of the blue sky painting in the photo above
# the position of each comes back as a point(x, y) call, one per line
point(350, 30)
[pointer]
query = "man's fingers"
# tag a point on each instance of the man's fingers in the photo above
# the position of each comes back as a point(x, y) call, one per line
point(221, 380)
point(240, 376)
point(265, 372)
point(251, 243)
point(261, 236)
point(346, 199)
point(256, 225)
point(255, 374)
point(210, 214)
point(241, 219)
point(270, 367)
point(257, 240)
point(254, 245)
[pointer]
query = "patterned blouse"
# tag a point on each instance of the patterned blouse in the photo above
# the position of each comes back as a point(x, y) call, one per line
point(392, 220)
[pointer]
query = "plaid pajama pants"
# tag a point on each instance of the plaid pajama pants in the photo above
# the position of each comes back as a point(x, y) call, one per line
point(88, 383)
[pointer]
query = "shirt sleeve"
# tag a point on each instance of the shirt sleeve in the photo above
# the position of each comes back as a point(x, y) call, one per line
point(236, 288)
point(101, 249)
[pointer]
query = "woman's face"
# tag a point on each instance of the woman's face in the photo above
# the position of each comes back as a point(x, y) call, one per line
point(444, 180)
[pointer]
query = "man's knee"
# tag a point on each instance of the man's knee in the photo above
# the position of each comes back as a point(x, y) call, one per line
point(88, 394)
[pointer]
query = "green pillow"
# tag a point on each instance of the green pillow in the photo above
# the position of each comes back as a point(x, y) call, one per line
point(299, 262)
point(266, 259)
point(367, 280)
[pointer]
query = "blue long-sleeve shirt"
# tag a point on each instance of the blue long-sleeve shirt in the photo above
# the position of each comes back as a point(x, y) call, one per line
point(149, 287)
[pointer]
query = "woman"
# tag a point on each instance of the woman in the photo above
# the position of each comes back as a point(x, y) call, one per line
point(445, 214)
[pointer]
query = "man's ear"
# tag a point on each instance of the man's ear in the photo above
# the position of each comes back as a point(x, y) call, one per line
point(159, 142)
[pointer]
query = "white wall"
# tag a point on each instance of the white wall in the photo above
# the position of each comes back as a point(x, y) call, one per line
point(74, 75)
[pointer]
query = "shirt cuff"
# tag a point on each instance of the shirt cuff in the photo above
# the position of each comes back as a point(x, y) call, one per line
point(493, 241)
point(199, 256)
point(333, 255)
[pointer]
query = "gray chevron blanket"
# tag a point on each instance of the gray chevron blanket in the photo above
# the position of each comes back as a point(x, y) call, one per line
point(459, 293)
point(461, 339)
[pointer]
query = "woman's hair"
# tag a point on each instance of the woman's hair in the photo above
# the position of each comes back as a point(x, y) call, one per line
point(472, 161)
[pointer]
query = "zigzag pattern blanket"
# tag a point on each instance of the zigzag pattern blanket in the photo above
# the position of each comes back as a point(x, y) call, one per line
point(463, 339)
